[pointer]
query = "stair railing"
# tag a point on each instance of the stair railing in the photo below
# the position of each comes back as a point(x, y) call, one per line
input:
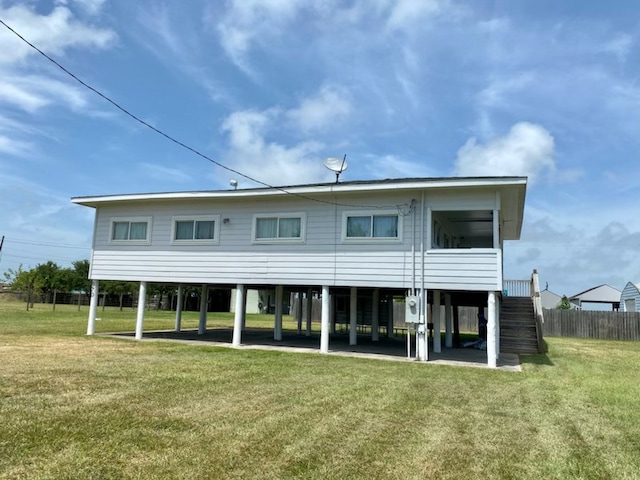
point(537, 308)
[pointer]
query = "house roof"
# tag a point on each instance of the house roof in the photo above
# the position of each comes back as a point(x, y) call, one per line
point(513, 191)
point(600, 294)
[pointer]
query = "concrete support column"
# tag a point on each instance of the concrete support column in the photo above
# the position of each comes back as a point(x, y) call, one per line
point(375, 315)
point(448, 321)
point(497, 327)
point(491, 331)
point(436, 314)
point(179, 309)
point(421, 330)
point(309, 311)
point(324, 326)
point(142, 299)
point(238, 315)
point(277, 329)
point(204, 301)
point(93, 308)
point(353, 316)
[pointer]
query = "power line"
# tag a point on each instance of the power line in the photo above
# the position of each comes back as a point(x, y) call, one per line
point(173, 139)
point(42, 244)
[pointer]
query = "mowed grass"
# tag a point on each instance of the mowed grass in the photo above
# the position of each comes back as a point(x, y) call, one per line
point(73, 406)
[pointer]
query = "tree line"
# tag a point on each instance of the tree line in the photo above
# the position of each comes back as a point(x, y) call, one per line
point(45, 281)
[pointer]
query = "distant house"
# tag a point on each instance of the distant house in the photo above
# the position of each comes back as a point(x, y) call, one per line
point(630, 298)
point(598, 296)
point(552, 300)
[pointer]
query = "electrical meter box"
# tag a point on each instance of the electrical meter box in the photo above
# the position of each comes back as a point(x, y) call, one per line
point(411, 309)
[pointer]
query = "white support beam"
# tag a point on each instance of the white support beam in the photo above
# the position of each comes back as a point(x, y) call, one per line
point(436, 319)
point(93, 308)
point(309, 311)
point(497, 327)
point(204, 302)
point(179, 308)
point(353, 316)
point(448, 321)
point(496, 229)
point(238, 315)
point(492, 356)
point(277, 329)
point(375, 315)
point(421, 330)
point(324, 326)
point(142, 299)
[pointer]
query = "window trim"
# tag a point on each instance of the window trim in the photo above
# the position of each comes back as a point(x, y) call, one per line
point(371, 239)
point(196, 241)
point(114, 220)
point(279, 215)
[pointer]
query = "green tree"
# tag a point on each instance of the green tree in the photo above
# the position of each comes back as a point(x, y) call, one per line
point(564, 304)
point(48, 278)
point(117, 288)
point(24, 281)
point(81, 280)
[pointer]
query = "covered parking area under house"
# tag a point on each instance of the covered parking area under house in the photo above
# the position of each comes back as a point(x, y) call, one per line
point(361, 322)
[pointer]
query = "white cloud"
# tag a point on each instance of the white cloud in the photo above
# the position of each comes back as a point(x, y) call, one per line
point(328, 108)
point(527, 150)
point(91, 7)
point(159, 172)
point(269, 162)
point(390, 166)
point(32, 92)
point(407, 13)
point(619, 45)
point(53, 33)
point(247, 20)
point(12, 146)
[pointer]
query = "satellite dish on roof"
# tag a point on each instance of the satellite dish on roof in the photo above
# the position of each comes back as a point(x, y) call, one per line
point(337, 165)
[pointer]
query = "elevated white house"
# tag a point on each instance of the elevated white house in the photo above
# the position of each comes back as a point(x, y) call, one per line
point(436, 240)
point(630, 297)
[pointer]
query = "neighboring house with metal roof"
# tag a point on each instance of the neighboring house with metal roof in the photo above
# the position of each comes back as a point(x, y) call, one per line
point(598, 296)
point(552, 300)
point(630, 298)
point(437, 239)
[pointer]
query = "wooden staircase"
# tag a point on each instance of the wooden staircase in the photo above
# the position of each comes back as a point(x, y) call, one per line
point(518, 328)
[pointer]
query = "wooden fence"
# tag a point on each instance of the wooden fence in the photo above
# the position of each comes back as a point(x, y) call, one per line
point(591, 324)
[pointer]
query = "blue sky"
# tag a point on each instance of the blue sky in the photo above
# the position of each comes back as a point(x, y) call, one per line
point(546, 89)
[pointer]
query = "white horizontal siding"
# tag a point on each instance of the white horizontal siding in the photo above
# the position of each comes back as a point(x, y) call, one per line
point(453, 270)
point(391, 270)
point(464, 269)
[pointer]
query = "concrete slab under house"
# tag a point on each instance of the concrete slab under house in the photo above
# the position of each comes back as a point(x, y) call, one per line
point(355, 248)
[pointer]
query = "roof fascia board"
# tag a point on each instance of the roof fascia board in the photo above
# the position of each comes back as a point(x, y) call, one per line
point(418, 184)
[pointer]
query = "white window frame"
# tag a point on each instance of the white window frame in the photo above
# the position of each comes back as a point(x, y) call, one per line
point(196, 218)
point(371, 239)
point(114, 220)
point(303, 227)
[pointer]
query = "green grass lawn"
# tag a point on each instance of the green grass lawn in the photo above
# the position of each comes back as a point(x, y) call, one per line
point(73, 406)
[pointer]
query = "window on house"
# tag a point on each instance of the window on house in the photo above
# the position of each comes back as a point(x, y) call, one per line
point(371, 226)
point(130, 230)
point(195, 229)
point(288, 227)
